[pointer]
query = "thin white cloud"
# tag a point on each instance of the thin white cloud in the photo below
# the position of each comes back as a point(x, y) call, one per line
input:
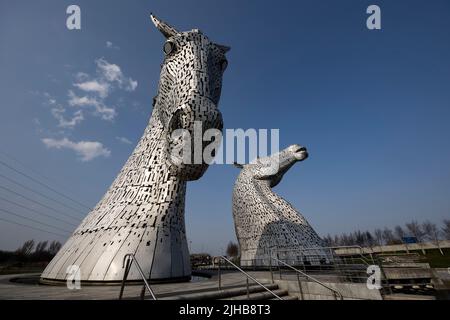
point(111, 45)
point(50, 99)
point(87, 96)
point(86, 150)
point(95, 86)
point(81, 76)
point(113, 73)
point(131, 85)
point(105, 112)
point(110, 71)
point(124, 140)
point(58, 113)
point(38, 125)
point(98, 89)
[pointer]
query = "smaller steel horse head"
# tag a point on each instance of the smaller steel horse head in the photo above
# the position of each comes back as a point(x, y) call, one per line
point(271, 169)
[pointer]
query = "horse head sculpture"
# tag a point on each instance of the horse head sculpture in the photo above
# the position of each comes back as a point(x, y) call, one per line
point(189, 91)
point(143, 210)
point(265, 223)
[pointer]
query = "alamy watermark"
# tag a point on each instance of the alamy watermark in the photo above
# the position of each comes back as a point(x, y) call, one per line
point(73, 21)
point(241, 146)
point(374, 279)
point(374, 20)
point(73, 273)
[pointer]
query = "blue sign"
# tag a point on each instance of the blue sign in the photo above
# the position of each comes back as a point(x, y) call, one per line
point(409, 240)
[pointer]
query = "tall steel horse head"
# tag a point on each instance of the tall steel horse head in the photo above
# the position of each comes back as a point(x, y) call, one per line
point(143, 210)
point(189, 90)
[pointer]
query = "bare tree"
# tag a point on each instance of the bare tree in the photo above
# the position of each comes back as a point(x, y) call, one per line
point(328, 240)
point(352, 238)
point(446, 229)
point(41, 247)
point(40, 253)
point(400, 234)
point(26, 248)
point(337, 240)
point(431, 232)
point(368, 239)
point(54, 248)
point(388, 236)
point(347, 239)
point(343, 239)
point(416, 231)
point(232, 249)
point(379, 237)
point(359, 238)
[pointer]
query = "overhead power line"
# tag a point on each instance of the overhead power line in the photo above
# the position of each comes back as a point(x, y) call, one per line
point(39, 203)
point(38, 212)
point(43, 184)
point(39, 193)
point(34, 228)
point(35, 221)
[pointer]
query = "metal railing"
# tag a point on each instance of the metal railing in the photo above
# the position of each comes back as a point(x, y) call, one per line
point(330, 249)
point(335, 292)
point(128, 260)
point(361, 252)
point(351, 267)
point(247, 281)
point(323, 261)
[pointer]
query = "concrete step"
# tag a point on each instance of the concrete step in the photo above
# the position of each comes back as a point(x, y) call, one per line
point(287, 298)
point(264, 295)
point(221, 294)
point(404, 296)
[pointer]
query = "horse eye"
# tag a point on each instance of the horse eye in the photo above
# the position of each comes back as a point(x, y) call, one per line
point(169, 47)
point(223, 64)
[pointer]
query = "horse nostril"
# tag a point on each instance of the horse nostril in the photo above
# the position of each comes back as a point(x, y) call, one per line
point(302, 149)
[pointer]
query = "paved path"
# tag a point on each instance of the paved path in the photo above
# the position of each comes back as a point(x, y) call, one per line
point(14, 290)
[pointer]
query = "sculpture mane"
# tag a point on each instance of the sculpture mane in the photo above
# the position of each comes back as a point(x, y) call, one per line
point(143, 210)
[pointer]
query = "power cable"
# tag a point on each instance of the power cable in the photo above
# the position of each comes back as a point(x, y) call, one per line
point(38, 212)
point(24, 225)
point(43, 184)
point(39, 203)
point(36, 221)
point(38, 193)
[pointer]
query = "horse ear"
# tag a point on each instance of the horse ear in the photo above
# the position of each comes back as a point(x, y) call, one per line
point(165, 29)
point(223, 48)
point(237, 165)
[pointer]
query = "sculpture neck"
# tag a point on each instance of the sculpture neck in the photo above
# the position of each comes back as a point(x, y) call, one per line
point(166, 188)
point(145, 183)
point(277, 203)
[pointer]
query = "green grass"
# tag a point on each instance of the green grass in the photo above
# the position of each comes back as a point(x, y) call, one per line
point(432, 256)
point(436, 259)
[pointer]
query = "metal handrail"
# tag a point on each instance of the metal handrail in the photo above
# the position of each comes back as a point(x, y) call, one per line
point(309, 277)
point(248, 276)
point(361, 251)
point(128, 260)
point(398, 254)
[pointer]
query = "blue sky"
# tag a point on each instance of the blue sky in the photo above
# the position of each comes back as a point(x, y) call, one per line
point(372, 107)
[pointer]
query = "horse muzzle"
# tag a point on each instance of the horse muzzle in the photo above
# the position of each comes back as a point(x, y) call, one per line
point(185, 136)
